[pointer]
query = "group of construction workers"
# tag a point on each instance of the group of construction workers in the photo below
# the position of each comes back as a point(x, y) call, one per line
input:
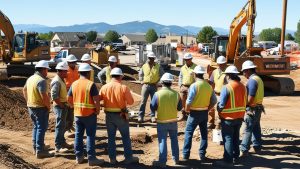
point(76, 99)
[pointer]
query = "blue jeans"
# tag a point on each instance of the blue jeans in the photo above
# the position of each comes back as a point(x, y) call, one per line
point(39, 117)
point(196, 118)
point(162, 133)
point(231, 134)
point(60, 127)
point(113, 122)
point(146, 91)
point(252, 130)
point(88, 124)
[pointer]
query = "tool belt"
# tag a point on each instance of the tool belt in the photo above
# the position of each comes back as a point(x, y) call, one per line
point(252, 110)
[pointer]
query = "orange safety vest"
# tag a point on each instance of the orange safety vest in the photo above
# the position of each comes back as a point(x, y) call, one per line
point(236, 103)
point(73, 75)
point(82, 99)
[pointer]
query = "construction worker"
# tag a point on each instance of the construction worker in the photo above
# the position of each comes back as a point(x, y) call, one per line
point(35, 92)
point(149, 76)
point(255, 88)
point(60, 108)
point(186, 78)
point(86, 58)
point(116, 97)
point(217, 80)
point(200, 100)
point(231, 108)
point(104, 75)
point(83, 96)
point(72, 76)
point(167, 103)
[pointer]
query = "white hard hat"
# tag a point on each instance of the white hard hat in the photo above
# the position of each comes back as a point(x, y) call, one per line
point(71, 58)
point(167, 77)
point(221, 60)
point(84, 67)
point(86, 57)
point(112, 59)
point(248, 65)
point(187, 56)
point(116, 71)
point(42, 64)
point(151, 55)
point(199, 70)
point(62, 66)
point(231, 69)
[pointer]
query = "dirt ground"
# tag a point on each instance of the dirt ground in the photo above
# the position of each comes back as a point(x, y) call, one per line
point(281, 135)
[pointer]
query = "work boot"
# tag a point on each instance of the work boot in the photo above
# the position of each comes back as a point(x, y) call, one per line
point(153, 119)
point(79, 160)
point(223, 164)
point(46, 147)
point(66, 145)
point(244, 154)
point(176, 162)
point(257, 150)
point(131, 160)
point(96, 162)
point(44, 154)
point(61, 150)
point(159, 164)
point(140, 119)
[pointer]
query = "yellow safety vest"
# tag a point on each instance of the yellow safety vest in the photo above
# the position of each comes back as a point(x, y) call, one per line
point(202, 97)
point(167, 105)
point(219, 77)
point(259, 96)
point(63, 89)
point(107, 74)
point(187, 74)
point(34, 98)
point(151, 75)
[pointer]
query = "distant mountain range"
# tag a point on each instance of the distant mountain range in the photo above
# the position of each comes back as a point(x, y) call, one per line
point(123, 28)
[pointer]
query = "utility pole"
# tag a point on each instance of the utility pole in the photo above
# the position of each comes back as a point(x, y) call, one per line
point(283, 26)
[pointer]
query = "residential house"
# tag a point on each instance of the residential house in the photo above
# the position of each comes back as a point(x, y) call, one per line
point(69, 39)
point(133, 39)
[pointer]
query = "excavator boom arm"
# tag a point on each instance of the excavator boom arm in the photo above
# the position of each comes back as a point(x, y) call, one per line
point(7, 28)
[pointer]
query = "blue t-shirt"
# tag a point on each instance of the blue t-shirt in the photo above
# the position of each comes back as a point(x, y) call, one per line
point(252, 86)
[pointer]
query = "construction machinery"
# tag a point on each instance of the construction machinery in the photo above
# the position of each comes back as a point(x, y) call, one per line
point(19, 50)
point(239, 48)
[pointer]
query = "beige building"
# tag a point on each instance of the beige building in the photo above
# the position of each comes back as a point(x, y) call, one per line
point(133, 39)
point(176, 39)
point(68, 39)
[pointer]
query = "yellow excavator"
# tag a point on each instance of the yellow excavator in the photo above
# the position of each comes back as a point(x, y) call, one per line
point(239, 48)
point(19, 51)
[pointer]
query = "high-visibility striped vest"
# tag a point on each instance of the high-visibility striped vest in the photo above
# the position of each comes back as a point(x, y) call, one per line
point(187, 74)
point(34, 98)
point(73, 75)
point(63, 89)
point(151, 75)
point(107, 74)
point(259, 96)
point(236, 103)
point(203, 94)
point(167, 105)
point(82, 99)
point(219, 77)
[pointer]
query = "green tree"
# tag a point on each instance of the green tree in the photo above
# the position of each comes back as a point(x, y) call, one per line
point(111, 36)
point(205, 34)
point(45, 36)
point(270, 35)
point(297, 33)
point(91, 36)
point(289, 37)
point(151, 36)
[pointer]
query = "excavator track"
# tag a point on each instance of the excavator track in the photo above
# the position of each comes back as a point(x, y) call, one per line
point(279, 85)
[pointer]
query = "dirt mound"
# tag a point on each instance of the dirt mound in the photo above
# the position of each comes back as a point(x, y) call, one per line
point(13, 111)
point(11, 160)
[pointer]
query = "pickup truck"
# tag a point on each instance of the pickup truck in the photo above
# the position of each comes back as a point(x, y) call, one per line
point(61, 55)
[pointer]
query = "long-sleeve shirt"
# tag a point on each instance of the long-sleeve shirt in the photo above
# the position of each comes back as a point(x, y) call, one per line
point(141, 73)
point(154, 104)
point(102, 75)
point(192, 93)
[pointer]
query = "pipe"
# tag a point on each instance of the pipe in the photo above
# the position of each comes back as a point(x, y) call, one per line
point(283, 26)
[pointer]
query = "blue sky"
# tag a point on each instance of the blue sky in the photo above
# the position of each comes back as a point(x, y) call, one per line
point(217, 13)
